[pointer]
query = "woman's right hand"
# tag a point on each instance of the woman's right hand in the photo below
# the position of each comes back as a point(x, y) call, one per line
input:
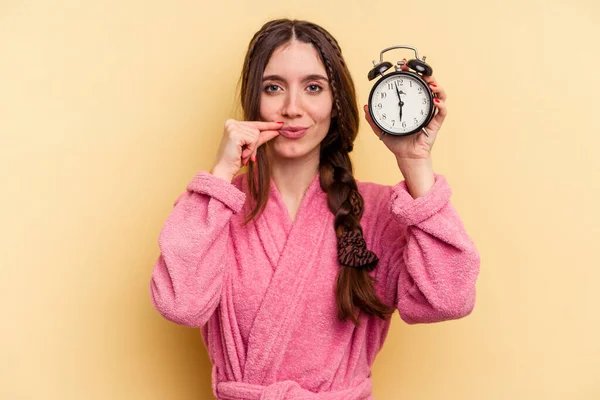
point(241, 140)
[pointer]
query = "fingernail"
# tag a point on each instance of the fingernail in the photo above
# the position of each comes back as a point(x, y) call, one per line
point(436, 100)
point(254, 158)
point(280, 122)
point(433, 84)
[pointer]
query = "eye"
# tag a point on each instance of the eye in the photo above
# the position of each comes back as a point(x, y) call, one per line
point(314, 88)
point(271, 88)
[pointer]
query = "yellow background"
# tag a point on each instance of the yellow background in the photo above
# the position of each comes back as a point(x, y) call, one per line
point(107, 109)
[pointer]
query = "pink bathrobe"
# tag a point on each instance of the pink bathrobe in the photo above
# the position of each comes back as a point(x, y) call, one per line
point(263, 294)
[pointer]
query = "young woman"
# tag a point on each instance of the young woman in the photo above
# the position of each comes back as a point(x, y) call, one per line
point(293, 269)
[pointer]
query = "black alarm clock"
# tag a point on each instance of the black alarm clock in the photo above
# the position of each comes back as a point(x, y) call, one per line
point(401, 102)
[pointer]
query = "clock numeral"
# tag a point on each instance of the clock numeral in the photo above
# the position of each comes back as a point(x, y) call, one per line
point(424, 101)
point(410, 83)
point(416, 121)
point(379, 105)
point(383, 95)
point(422, 112)
point(420, 90)
point(383, 116)
point(404, 124)
point(401, 82)
point(393, 122)
point(390, 85)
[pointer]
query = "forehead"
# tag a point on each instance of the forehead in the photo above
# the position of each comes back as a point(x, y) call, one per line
point(295, 59)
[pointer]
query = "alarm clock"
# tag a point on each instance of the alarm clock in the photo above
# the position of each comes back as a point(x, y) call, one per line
point(401, 102)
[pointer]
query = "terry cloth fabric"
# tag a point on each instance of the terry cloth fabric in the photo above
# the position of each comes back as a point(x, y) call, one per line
point(263, 293)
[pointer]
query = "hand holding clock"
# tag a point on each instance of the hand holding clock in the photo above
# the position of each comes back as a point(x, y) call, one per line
point(417, 146)
point(413, 152)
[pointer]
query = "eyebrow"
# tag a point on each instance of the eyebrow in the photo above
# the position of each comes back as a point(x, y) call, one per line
point(312, 77)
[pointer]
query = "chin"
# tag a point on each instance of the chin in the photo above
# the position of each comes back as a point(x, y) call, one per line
point(293, 150)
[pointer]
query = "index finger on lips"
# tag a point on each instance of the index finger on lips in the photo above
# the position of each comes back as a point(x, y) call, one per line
point(265, 136)
point(263, 125)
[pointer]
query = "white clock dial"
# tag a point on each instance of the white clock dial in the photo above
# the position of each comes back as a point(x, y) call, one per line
point(400, 103)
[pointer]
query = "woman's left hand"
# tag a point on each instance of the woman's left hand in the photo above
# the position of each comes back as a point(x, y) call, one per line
point(418, 145)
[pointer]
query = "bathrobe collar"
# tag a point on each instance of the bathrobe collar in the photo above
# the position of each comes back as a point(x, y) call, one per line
point(286, 243)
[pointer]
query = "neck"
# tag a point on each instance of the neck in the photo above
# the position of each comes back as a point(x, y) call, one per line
point(293, 176)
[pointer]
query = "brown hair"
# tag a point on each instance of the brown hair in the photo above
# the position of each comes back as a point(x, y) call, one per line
point(354, 286)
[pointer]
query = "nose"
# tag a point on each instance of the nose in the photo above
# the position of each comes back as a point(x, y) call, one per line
point(292, 105)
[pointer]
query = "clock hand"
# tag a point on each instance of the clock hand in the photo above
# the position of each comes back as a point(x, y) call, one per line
point(400, 103)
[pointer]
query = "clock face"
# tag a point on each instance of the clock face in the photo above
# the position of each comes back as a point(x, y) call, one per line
point(400, 103)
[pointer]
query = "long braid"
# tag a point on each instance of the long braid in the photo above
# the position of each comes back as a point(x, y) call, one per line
point(346, 203)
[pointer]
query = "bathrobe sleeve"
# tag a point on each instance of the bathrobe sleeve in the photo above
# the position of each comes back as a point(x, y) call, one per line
point(195, 250)
point(427, 248)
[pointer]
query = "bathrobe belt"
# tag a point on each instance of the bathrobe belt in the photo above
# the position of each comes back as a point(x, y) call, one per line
point(287, 390)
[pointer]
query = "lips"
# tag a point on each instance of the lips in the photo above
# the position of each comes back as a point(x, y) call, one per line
point(293, 132)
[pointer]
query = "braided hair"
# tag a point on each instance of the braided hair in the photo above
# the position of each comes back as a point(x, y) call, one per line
point(354, 285)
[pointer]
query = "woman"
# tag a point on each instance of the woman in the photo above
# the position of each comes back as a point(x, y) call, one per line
point(293, 275)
